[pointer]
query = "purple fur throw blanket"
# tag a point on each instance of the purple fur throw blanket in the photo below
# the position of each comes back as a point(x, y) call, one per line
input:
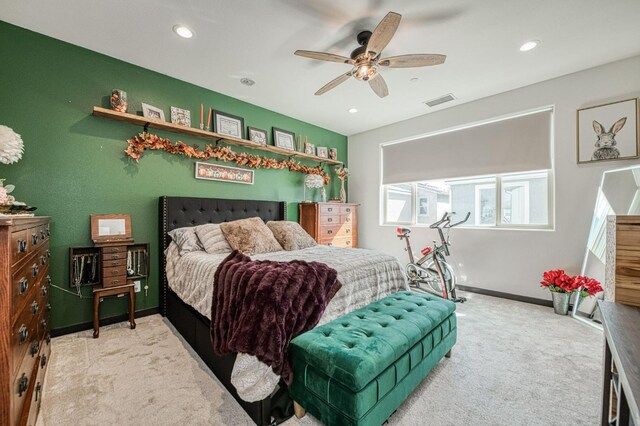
point(259, 306)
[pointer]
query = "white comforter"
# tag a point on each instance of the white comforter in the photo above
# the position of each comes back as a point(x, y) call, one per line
point(366, 275)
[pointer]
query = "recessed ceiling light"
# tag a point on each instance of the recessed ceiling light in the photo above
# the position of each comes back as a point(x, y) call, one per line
point(183, 31)
point(532, 44)
point(353, 110)
point(247, 81)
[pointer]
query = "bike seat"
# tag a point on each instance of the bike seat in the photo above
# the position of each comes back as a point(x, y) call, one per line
point(403, 231)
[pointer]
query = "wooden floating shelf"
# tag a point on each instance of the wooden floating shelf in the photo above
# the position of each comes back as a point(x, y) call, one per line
point(203, 134)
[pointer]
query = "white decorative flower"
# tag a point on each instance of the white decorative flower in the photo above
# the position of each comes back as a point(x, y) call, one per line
point(11, 145)
point(313, 181)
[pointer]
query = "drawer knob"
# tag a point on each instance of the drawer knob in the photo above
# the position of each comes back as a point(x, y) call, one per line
point(114, 263)
point(330, 209)
point(35, 347)
point(23, 384)
point(48, 232)
point(348, 209)
point(115, 281)
point(48, 307)
point(34, 239)
point(348, 219)
point(34, 270)
point(330, 244)
point(348, 230)
point(43, 323)
point(23, 285)
point(23, 333)
point(37, 391)
point(44, 291)
point(43, 260)
point(34, 307)
point(43, 361)
point(330, 231)
point(329, 219)
point(22, 246)
point(49, 281)
point(48, 253)
point(348, 243)
point(48, 338)
point(43, 234)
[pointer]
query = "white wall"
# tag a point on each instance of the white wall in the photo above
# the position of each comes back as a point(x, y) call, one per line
point(505, 260)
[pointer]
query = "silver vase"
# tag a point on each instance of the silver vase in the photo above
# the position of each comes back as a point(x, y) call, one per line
point(561, 302)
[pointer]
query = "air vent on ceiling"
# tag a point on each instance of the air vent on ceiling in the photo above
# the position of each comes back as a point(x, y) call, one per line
point(442, 99)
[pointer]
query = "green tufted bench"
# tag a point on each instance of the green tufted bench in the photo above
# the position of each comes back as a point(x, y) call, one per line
point(359, 368)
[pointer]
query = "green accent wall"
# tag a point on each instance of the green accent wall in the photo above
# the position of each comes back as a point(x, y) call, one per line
point(74, 163)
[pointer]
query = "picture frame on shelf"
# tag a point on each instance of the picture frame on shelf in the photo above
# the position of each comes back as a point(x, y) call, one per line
point(257, 135)
point(309, 148)
point(149, 111)
point(181, 117)
point(608, 132)
point(322, 152)
point(210, 171)
point(228, 124)
point(284, 139)
point(333, 154)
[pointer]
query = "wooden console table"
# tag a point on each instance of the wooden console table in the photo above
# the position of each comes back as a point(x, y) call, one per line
point(113, 291)
point(621, 391)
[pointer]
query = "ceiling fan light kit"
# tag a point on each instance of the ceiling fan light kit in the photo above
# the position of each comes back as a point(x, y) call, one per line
point(366, 58)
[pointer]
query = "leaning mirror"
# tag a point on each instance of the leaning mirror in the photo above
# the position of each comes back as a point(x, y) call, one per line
point(618, 194)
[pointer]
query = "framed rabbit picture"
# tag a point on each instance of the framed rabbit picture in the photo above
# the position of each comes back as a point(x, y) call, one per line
point(608, 132)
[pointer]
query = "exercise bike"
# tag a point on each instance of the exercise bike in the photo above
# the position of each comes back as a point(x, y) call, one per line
point(432, 274)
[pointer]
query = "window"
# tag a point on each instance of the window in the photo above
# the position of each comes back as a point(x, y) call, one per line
point(516, 200)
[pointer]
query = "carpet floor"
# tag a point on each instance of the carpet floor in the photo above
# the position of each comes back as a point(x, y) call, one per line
point(514, 364)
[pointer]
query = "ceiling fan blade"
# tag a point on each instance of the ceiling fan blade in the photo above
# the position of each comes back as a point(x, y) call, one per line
point(333, 83)
point(383, 34)
point(410, 61)
point(379, 86)
point(323, 56)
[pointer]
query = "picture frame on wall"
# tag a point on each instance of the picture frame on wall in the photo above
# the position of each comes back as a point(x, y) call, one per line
point(149, 111)
point(228, 124)
point(181, 117)
point(333, 153)
point(210, 171)
point(309, 148)
point(257, 135)
point(284, 139)
point(322, 152)
point(608, 132)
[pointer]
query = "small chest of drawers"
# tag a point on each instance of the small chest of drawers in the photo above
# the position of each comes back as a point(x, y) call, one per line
point(24, 317)
point(332, 224)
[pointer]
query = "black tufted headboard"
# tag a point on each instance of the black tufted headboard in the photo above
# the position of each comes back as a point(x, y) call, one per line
point(178, 212)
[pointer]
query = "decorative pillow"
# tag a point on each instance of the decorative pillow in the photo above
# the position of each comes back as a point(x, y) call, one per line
point(250, 236)
point(290, 235)
point(213, 239)
point(186, 239)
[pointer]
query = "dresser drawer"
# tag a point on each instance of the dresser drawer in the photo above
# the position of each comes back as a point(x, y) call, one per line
point(21, 384)
point(36, 237)
point(19, 246)
point(114, 281)
point(329, 209)
point(347, 209)
point(121, 263)
point(333, 219)
point(329, 232)
point(345, 242)
point(113, 256)
point(114, 249)
point(347, 218)
point(24, 333)
point(114, 272)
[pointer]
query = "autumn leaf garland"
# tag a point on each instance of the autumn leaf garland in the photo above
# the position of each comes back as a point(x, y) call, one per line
point(145, 140)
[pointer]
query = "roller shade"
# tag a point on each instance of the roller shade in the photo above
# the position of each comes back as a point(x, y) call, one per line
point(516, 144)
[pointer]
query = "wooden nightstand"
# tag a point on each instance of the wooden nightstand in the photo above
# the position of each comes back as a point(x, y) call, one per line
point(120, 291)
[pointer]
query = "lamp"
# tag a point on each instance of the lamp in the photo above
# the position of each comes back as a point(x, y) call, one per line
point(312, 181)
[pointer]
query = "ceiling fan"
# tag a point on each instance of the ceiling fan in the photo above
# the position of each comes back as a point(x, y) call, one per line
point(366, 58)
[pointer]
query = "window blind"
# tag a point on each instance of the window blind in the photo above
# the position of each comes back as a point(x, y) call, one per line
point(516, 144)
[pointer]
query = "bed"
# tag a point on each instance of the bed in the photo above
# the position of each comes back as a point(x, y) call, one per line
point(188, 309)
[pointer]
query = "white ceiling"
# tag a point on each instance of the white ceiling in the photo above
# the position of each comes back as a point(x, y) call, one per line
point(256, 39)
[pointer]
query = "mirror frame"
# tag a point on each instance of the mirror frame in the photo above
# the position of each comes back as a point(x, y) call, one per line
point(95, 234)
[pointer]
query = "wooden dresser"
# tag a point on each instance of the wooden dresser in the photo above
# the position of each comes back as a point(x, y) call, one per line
point(332, 224)
point(622, 266)
point(24, 317)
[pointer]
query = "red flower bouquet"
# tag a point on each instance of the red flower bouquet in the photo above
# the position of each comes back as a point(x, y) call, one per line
point(557, 281)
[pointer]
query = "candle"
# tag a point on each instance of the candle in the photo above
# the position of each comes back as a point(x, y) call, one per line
point(201, 114)
point(209, 119)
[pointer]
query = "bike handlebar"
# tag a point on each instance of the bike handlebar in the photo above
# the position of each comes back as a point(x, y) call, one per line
point(445, 218)
point(451, 225)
